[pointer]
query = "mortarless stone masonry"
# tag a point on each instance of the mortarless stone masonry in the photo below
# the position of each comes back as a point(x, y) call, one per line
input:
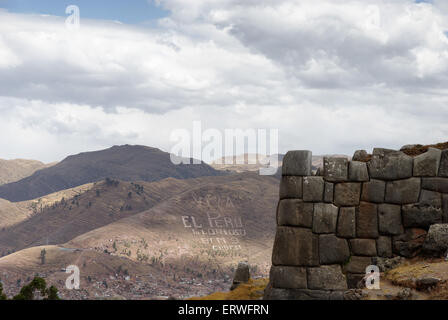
point(331, 226)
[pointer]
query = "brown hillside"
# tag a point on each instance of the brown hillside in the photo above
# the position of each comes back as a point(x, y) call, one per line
point(15, 170)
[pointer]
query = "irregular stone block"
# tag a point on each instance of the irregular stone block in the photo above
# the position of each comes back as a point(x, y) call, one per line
point(297, 163)
point(325, 218)
point(373, 191)
point(367, 220)
point(435, 184)
point(335, 169)
point(295, 247)
point(333, 250)
point(445, 208)
point(422, 215)
point(354, 280)
point(410, 243)
point(430, 197)
point(358, 264)
point(326, 278)
point(361, 155)
point(347, 194)
point(313, 189)
point(302, 294)
point(436, 242)
point(347, 222)
point(357, 171)
point(242, 275)
point(443, 169)
point(288, 277)
point(329, 192)
point(384, 247)
point(427, 164)
point(294, 212)
point(291, 187)
point(410, 147)
point(403, 191)
point(363, 247)
point(390, 165)
point(389, 218)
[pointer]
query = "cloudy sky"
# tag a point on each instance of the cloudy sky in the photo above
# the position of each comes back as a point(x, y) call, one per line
point(333, 76)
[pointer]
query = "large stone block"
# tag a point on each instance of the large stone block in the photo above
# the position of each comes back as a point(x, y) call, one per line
point(297, 163)
point(435, 184)
point(347, 222)
point(403, 191)
point(329, 192)
point(347, 194)
point(294, 212)
point(333, 250)
point(291, 187)
point(357, 171)
point(443, 169)
point(384, 247)
point(354, 280)
point(335, 169)
point(361, 155)
point(295, 247)
point(358, 264)
point(425, 213)
point(363, 247)
point(436, 242)
point(288, 277)
point(325, 218)
point(427, 164)
point(410, 243)
point(373, 191)
point(313, 189)
point(326, 278)
point(389, 219)
point(390, 165)
point(367, 221)
point(445, 208)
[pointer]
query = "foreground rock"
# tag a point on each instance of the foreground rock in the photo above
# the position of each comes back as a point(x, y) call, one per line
point(242, 275)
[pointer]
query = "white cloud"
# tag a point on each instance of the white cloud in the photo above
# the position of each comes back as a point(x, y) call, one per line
point(333, 76)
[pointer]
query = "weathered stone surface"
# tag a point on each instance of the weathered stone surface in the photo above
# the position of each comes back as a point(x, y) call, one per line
point(242, 275)
point(297, 163)
point(386, 264)
point(335, 169)
point(373, 191)
point(390, 165)
point(326, 278)
point(443, 169)
point(347, 194)
point(389, 219)
point(430, 197)
point(294, 212)
point(410, 243)
point(403, 191)
point(295, 247)
point(313, 189)
point(410, 146)
point(347, 222)
point(436, 242)
point(427, 164)
point(363, 247)
point(354, 280)
point(422, 215)
point(426, 283)
point(291, 187)
point(288, 277)
point(358, 264)
point(329, 192)
point(360, 155)
point(325, 218)
point(367, 220)
point(302, 294)
point(435, 184)
point(332, 249)
point(357, 171)
point(445, 208)
point(384, 246)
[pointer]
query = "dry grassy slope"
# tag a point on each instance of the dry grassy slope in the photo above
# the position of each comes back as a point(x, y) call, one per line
point(159, 232)
point(128, 163)
point(15, 170)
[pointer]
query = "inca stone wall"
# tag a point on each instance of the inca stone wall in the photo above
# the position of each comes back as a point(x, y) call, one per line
point(332, 225)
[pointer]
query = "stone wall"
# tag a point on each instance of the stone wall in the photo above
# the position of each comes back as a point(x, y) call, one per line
point(332, 225)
